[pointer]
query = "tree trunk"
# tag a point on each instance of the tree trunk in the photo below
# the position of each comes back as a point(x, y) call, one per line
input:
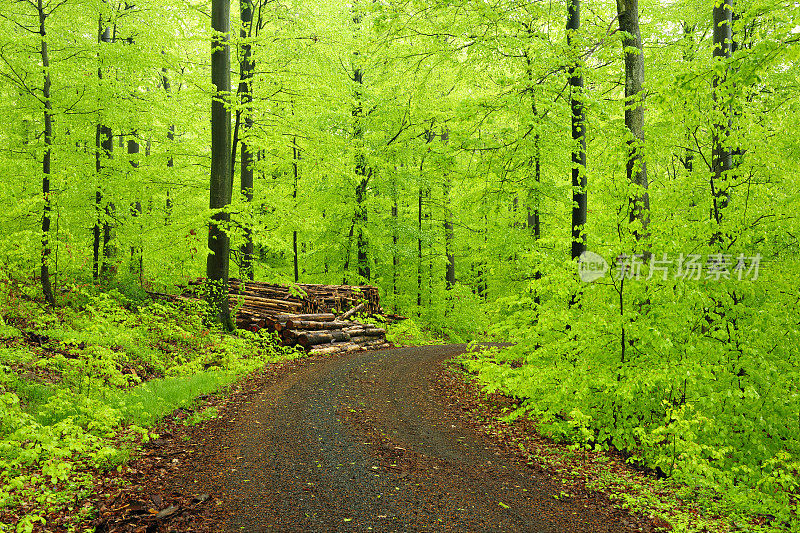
point(296, 169)
point(170, 160)
point(429, 136)
point(450, 268)
point(170, 166)
point(419, 248)
point(428, 217)
point(247, 67)
point(579, 200)
point(628, 14)
point(108, 268)
point(104, 146)
point(220, 188)
point(688, 57)
point(294, 234)
point(533, 219)
point(395, 241)
point(363, 173)
point(348, 252)
point(362, 243)
point(137, 258)
point(134, 149)
point(47, 289)
point(721, 158)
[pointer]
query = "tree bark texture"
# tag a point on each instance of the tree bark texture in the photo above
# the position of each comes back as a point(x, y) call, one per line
point(579, 182)
point(47, 288)
point(247, 67)
point(721, 157)
point(628, 14)
point(218, 260)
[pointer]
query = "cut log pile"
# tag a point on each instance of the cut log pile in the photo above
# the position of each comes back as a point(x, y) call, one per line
point(324, 333)
point(316, 317)
point(340, 298)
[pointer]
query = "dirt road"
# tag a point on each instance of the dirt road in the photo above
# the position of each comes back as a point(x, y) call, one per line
point(365, 443)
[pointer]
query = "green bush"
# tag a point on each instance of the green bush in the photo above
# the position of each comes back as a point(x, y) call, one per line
point(703, 387)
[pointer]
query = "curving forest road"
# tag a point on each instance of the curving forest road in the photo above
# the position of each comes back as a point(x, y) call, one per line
point(365, 442)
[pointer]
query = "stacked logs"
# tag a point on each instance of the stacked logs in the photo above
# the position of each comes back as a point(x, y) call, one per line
point(256, 302)
point(339, 298)
point(305, 317)
point(324, 333)
point(258, 299)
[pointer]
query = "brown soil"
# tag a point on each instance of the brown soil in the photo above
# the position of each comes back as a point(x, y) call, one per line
point(377, 441)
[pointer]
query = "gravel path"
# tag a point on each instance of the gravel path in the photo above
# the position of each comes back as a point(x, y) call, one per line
point(364, 443)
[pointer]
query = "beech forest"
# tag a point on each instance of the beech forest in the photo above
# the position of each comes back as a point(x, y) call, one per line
point(605, 191)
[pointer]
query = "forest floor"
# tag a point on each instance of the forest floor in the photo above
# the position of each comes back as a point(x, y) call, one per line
point(394, 440)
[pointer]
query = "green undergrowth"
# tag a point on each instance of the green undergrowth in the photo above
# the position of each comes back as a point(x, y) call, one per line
point(410, 332)
point(81, 384)
point(724, 444)
point(459, 316)
point(697, 380)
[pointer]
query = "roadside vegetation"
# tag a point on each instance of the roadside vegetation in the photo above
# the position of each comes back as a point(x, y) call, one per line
point(608, 185)
point(82, 383)
point(720, 448)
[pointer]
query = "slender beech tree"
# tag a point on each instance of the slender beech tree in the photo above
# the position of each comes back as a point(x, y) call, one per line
point(362, 244)
point(449, 235)
point(170, 142)
point(296, 171)
point(47, 288)
point(420, 217)
point(170, 167)
point(136, 265)
point(628, 15)
point(104, 146)
point(721, 157)
point(395, 238)
point(246, 69)
point(534, 222)
point(220, 190)
point(363, 171)
point(422, 191)
point(108, 267)
point(137, 249)
point(579, 200)
point(533, 218)
point(688, 57)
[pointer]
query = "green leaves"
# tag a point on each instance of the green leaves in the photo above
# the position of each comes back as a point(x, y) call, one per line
point(89, 379)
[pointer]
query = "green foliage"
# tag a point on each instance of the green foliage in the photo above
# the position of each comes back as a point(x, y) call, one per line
point(149, 402)
point(410, 333)
point(201, 416)
point(403, 136)
point(110, 457)
point(695, 394)
point(86, 380)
